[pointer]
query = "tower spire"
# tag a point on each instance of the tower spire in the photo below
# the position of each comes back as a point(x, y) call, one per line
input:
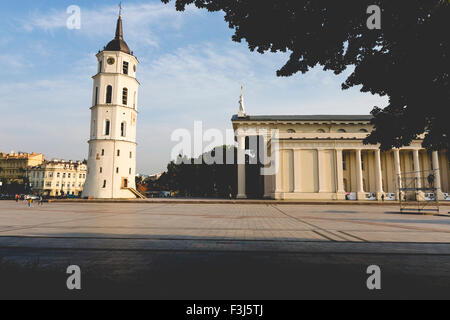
point(241, 112)
point(119, 28)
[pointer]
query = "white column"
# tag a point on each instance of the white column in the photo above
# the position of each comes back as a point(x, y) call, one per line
point(297, 173)
point(437, 176)
point(241, 167)
point(417, 171)
point(320, 170)
point(378, 174)
point(398, 169)
point(278, 171)
point(359, 176)
point(268, 186)
point(417, 168)
point(340, 189)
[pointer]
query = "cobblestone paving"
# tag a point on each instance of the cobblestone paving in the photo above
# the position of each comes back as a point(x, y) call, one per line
point(327, 223)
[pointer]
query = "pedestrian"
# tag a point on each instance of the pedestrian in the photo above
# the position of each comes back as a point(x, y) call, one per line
point(382, 197)
point(41, 200)
point(30, 201)
point(17, 198)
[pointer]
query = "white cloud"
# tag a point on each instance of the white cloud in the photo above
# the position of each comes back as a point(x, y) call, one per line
point(14, 62)
point(197, 82)
point(141, 21)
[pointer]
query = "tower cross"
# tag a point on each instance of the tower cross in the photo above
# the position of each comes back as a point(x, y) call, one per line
point(120, 8)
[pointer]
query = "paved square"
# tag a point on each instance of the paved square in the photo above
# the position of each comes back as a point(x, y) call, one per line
point(221, 221)
point(223, 251)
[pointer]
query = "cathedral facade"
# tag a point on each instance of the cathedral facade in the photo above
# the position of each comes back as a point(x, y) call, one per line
point(322, 157)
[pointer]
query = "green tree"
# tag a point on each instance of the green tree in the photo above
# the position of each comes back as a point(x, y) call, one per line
point(192, 179)
point(406, 60)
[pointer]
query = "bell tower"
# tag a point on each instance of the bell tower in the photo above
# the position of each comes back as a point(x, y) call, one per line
point(112, 144)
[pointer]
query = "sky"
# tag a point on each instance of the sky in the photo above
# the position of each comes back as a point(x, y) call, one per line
point(190, 70)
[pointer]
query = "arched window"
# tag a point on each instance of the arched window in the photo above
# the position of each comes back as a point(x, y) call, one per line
point(96, 96)
point(109, 94)
point(341, 131)
point(320, 131)
point(123, 129)
point(125, 96)
point(363, 130)
point(291, 131)
point(107, 127)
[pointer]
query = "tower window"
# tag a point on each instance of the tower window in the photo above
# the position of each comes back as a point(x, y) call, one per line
point(125, 67)
point(104, 184)
point(131, 155)
point(117, 170)
point(118, 153)
point(96, 96)
point(100, 66)
point(107, 127)
point(101, 170)
point(125, 96)
point(341, 131)
point(130, 171)
point(123, 129)
point(103, 152)
point(109, 94)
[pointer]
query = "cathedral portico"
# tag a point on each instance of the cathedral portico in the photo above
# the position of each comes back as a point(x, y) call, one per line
point(323, 158)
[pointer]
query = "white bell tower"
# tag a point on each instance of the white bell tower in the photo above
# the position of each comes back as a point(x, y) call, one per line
point(112, 144)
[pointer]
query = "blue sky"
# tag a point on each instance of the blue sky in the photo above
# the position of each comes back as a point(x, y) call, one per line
point(190, 70)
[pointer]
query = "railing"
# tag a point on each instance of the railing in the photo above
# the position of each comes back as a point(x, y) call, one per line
point(136, 193)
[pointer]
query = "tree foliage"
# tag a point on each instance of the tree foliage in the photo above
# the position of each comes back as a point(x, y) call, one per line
point(191, 178)
point(407, 60)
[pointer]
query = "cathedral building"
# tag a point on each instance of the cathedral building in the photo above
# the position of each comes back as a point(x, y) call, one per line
point(112, 145)
point(322, 157)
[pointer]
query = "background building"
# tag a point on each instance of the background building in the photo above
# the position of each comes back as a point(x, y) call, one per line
point(58, 178)
point(13, 166)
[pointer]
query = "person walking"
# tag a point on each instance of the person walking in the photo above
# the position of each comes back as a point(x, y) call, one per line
point(30, 201)
point(41, 200)
point(17, 198)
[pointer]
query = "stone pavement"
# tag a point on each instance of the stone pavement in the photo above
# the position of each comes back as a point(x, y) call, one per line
point(303, 223)
point(222, 251)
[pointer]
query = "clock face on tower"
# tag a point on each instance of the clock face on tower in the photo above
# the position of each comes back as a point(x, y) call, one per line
point(110, 61)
